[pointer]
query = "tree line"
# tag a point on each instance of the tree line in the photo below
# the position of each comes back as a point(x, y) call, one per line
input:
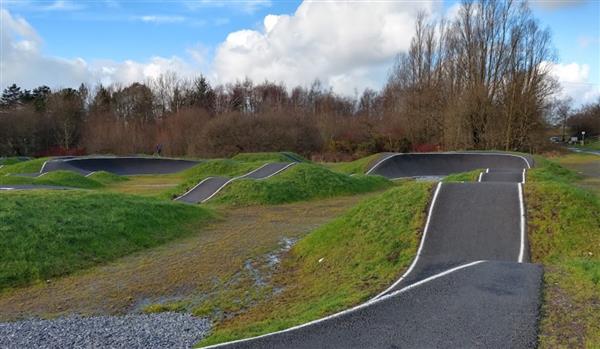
point(477, 81)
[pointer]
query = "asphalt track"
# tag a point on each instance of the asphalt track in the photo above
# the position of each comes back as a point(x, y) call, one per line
point(124, 166)
point(468, 286)
point(209, 187)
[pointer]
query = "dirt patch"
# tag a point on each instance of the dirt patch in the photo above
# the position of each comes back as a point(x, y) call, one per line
point(177, 270)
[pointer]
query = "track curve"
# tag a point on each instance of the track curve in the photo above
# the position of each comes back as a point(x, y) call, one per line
point(467, 286)
point(209, 187)
point(126, 166)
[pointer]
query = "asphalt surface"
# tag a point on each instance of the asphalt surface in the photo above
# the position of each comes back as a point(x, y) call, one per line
point(469, 222)
point(442, 164)
point(119, 165)
point(492, 304)
point(205, 190)
point(487, 305)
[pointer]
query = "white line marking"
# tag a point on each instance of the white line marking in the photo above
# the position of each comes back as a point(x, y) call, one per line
point(231, 180)
point(91, 173)
point(380, 161)
point(487, 170)
point(425, 230)
point(523, 220)
point(476, 153)
point(43, 166)
point(523, 181)
point(480, 175)
point(280, 170)
point(41, 174)
point(355, 308)
point(194, 187)
point(7, 188)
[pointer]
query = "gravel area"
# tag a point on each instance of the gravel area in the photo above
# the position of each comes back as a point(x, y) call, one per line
point(162, 330)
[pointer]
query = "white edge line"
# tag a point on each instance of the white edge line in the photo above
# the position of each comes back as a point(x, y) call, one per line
point(43, 166)
point(522, 209)
point(477, 153)
point(194, 187)
point(41, 174)
point(355, 308)
point(380, 161)
point(246, 175)
point(423, 237)
point(480, 175)
point(280, 170)
point(523, 181)
point(487, 170)
point(91, 173)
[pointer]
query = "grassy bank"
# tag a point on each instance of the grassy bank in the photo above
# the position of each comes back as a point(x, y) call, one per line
point(57, 178)
point(46, 234)
point(564, 234)
point(210, 168)
point(303, 181)
point(340, 264)
point(359, 166)
point(29, 166)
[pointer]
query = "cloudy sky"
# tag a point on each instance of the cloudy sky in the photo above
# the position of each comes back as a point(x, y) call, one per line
point(348, 45)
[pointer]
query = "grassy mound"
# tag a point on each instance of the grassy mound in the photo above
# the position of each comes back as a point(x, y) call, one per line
point(58, 178)
point(564, 235)
point(46, 234)
point(217, 167)
point(269, 157)
point(359, 166)
point(11, 160)
point(300, 182)
point(340, 264)
point(29, 166)
point(107, 177)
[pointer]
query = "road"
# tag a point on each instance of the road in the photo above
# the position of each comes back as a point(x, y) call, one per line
point(468, 286)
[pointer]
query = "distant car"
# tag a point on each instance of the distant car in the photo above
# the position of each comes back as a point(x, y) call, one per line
point(556, 139)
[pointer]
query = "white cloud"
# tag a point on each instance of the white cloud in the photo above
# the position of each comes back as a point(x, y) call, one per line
point(159, 19)
point(23, 63)
point(575, 82)
point(344, 44)
point(248, 6)
point(557, 4)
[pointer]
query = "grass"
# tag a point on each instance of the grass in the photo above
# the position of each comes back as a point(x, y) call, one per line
point(587, 167)
point(359, 166)
point(218, 167)
point(46, 234)
point(269, 157)
point(340, 264)
point(29, 166)
point(57, 178)
point(303, 181)
point(564, 235)
point(107, 177)
point(181, 272)
point(594, 145)
point(11, 160)
point(471, 176)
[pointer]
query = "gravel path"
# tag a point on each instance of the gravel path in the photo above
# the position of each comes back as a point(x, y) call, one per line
point(164, 330)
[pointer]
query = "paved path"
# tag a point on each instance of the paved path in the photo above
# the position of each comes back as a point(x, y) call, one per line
point(466, 288)
point(209, 187)
point(125, 166)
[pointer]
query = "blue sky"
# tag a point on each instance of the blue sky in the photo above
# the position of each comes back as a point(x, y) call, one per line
point(191, 36)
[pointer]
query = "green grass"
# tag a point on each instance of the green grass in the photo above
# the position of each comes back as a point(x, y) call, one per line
point(218, 167)
point(46, 234)
point(58, 178)
point(107, 177)
point(303, 181)
point(340, 264)
point(359, 166)
point(564, 234)
point(471, 176)
point(29, 166)
point(269, 157)
point(594, 145)
point(11, 160)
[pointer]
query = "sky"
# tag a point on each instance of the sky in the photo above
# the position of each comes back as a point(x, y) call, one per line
point(347, 45)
